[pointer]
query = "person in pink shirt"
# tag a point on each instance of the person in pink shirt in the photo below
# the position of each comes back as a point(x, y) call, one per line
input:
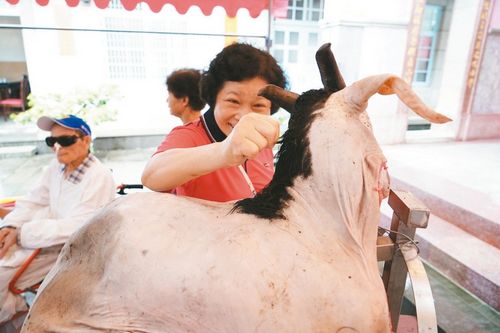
point(225, 155)
point(184, 99)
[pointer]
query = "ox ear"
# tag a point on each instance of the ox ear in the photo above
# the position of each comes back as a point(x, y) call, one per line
point(388, 84)
point(285, 99)
point(330, 73)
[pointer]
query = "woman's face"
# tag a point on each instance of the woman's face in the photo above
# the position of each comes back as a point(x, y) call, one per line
point(176, 105)
point(236, 99)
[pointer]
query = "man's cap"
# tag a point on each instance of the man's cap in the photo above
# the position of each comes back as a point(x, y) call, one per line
point(71, 122)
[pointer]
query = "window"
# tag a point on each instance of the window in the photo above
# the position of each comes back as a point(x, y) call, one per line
point(293, 56)
point(427, 43)
point(312, 39)
point(294, 38)
point(116, 4)
point(286, 46)
point(279, 37)
point(305, 10)
point(125, 53)
point(278, 55)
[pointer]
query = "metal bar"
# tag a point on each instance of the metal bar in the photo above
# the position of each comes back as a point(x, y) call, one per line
point(269, 19)
point(24, 27)
point(396, 277)
point(424, 301)
point(409, 214)
point(385, 248)
point(388, 264)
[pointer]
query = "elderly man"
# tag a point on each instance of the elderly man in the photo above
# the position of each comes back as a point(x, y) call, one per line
point(72, 188)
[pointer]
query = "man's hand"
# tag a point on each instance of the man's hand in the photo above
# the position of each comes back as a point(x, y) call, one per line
point(253, 133)
point(8, 237)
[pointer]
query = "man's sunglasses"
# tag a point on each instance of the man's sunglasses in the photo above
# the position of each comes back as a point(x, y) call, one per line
point(63, 140)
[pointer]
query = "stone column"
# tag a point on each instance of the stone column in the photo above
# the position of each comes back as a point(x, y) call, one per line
point(480, 114)
point(457, 66)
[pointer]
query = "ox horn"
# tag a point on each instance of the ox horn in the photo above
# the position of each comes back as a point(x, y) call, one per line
point(330, 73)
point(284, 98)
point(388, 84)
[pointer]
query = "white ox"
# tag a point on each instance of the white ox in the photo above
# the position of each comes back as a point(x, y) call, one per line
point(300, 257)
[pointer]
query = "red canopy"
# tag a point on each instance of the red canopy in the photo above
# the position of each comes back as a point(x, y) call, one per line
point(279, 7)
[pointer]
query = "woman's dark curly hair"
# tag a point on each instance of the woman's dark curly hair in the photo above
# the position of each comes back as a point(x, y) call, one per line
point(239, 62)
point(185, 83)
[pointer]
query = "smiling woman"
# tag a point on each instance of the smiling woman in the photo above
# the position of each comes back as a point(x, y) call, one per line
point(236, 99)
point(226, 154)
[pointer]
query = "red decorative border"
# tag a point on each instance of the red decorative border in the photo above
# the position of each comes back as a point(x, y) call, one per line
point(254, 7)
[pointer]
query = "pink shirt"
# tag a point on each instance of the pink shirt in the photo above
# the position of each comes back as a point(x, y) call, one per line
point(222, 185)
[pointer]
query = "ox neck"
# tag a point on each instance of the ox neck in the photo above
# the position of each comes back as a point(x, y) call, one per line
point(319, 210)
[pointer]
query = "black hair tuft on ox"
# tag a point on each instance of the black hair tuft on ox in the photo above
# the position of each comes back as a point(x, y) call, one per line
point(294, 160)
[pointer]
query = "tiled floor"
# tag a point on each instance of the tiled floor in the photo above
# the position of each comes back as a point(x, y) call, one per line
point(18, 175)
point(457, 310)
point(466, 173)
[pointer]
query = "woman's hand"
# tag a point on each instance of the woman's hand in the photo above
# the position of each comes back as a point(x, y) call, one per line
point(8, 237)
point(174, 167)
point(253, 133)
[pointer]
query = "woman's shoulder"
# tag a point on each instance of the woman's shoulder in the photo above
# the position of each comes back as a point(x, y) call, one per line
point(193, 131)
point(189, 135)
point(194, 126)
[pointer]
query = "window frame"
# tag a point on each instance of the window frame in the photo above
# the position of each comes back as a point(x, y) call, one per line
point(433, 33)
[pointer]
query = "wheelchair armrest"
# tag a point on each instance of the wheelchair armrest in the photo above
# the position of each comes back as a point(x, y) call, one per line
point(122, 187)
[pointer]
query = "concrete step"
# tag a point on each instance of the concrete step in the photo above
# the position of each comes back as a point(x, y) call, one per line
point(458, 181)
point(101, 143)
point(106, 136)
point(465, 208)
point(465, 259)
point(17, 151)
point(11, 132)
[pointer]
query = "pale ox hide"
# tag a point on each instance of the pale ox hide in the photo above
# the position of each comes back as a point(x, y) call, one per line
point(300, 257)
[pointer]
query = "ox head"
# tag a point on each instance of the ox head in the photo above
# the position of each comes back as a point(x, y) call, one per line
point(330, 138)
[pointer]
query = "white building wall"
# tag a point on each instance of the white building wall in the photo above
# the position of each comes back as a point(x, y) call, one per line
point(458, 49)
point(65, 61)
point(303, 75)
point(10, 42)
point(12, 59)
point(369, 38)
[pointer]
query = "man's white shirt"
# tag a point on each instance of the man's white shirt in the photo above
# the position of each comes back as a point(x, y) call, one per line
point(50, 213)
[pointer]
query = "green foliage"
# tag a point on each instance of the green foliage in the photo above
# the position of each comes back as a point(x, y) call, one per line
point(95, 106)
